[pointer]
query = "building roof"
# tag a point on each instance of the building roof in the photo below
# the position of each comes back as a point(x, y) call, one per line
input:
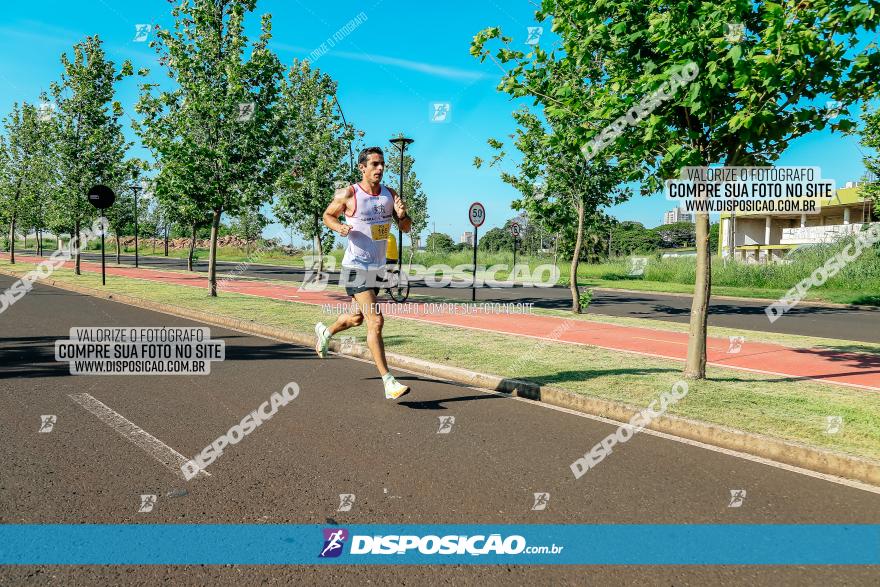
point(842, 197)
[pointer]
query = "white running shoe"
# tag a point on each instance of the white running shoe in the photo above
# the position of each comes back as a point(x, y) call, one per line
point(323, 335)
point(394, 389)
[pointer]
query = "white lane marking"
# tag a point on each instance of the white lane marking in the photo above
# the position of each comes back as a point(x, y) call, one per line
point(695, 443)
point(733, 453)
point(133, 433)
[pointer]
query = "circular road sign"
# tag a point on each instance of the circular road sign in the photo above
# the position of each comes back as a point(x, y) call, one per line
point(100, 196)
point(477, 214)
point(514, 229)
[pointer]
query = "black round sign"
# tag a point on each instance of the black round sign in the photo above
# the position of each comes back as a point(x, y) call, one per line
point(100, 196)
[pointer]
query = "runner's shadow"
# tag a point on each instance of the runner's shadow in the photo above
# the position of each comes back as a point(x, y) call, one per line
point(437, 404)
point(282, 351)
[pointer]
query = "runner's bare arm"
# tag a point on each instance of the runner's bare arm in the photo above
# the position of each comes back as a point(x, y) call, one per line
point(336, 209)
point(400, 216)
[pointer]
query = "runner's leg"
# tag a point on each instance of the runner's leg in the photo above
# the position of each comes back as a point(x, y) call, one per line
point(343, 322)
point(366, 301)
point(346, 321)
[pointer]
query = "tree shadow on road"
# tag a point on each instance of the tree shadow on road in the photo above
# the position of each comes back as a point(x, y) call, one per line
point(583, 375)
point(31, 357)
point(856, 360)
point(34, 356)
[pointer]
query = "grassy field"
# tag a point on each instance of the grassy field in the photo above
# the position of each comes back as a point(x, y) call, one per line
point(766, 404)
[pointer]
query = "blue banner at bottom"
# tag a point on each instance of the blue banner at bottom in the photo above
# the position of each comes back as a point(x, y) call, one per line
point(263, 544)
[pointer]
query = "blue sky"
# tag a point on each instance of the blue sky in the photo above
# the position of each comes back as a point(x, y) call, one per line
point(391, 68)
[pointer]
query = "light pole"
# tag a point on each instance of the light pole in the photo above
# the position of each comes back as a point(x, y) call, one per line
point(135, 188)
point(401, 143)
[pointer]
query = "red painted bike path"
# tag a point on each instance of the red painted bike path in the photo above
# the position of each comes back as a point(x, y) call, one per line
point(839, 368)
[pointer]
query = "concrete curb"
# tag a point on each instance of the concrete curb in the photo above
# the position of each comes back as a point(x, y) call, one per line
point(782, 451)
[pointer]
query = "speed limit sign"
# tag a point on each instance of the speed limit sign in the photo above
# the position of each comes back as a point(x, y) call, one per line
point(477, 214)
point(514, 229)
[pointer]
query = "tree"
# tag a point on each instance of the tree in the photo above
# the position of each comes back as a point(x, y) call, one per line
point(25, 170)
point(532, 236)
point(439, 242)
point(496, 239)
point(89, 143)
point(557, 183)
point(632, 237)
point(871, 139)
point(752, 97)
point(714, 230)
point(249, 224)
point(415, 197)
point(221, 122)
point(120, 216)
point(677, 235)
point(181, 193)
point(315, 154)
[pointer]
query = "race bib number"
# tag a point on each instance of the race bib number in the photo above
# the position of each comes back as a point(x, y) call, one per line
point(380, 231)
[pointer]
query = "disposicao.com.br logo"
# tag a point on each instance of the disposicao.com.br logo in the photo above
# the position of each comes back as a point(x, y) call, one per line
point(453, 544)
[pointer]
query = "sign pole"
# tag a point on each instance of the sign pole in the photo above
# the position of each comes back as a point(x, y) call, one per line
point(514, 231)
point(474, 288)
point(401, 142)
point(477, 216)
point(514, 253)
point(102, 197)
point(103, 266)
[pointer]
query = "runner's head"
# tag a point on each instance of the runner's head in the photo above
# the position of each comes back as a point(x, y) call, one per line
point(371, 162)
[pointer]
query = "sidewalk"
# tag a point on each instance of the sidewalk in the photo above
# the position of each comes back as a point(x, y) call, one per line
point(847, 369)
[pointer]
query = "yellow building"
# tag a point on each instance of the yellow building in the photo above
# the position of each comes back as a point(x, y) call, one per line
point(765, 237)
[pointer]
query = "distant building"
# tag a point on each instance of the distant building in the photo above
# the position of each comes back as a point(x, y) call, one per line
point(677, 215)
point(467, 238)
point(753, 236)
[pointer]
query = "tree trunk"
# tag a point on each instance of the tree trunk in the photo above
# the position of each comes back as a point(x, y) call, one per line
point(212, 257)
point(39, 242)
point(319, 246)
point(166, 240)
point(556, 249)
point(12, 240)
point(575, 258)
point(696, 359)
point(76, 238)
point(118, 247)
point(192, 249)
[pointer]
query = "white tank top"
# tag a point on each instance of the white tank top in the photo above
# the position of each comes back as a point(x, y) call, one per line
point(370, 225)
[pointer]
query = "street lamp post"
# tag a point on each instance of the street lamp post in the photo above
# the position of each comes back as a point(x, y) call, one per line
point(135, 189)
point(401, 143)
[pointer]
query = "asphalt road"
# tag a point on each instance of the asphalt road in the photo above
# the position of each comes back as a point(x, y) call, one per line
point(341, 436)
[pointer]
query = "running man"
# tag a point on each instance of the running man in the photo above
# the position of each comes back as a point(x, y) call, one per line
point(369, 208)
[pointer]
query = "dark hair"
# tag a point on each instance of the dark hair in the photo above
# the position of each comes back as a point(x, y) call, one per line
point(365, 154)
